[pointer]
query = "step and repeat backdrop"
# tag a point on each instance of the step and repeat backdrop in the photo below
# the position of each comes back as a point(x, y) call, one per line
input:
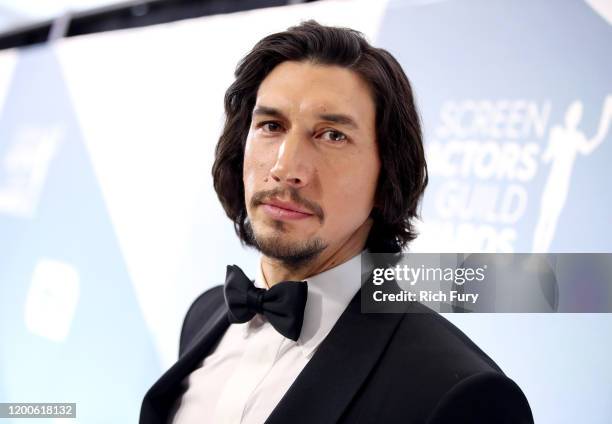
point(109, 225)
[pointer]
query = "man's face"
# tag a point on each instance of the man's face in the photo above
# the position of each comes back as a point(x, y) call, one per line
point(311, 161)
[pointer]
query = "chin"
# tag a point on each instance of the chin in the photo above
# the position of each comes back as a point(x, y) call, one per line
point(280, 239)
point(289, 248)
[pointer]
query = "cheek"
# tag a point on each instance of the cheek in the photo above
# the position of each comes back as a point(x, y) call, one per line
point(254, 166)
point(352, 198)
point(249, 166)
point(358, 183)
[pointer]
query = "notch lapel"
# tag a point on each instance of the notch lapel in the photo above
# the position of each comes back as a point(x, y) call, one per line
point(338, 368)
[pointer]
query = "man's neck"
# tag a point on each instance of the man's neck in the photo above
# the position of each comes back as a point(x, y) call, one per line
point(275, 271)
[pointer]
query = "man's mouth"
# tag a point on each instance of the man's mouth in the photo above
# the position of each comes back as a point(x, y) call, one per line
point(279, 209)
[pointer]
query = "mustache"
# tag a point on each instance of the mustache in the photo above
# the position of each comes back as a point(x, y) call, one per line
point(260, 197)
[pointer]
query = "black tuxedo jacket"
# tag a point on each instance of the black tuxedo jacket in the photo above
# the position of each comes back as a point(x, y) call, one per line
point(371, 368)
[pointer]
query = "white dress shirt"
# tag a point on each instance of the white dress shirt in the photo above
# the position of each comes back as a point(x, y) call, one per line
point(253, 365)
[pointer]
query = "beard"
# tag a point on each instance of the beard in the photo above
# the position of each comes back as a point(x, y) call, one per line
point(294, 255)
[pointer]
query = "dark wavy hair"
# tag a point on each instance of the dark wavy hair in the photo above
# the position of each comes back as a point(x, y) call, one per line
point(403, 175)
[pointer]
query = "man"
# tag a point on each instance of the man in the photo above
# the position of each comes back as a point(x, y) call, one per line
point(320, 159)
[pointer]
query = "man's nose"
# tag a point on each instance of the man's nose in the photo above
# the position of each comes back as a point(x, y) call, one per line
point(292, 165)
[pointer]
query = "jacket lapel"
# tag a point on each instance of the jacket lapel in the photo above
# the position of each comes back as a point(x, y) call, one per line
point(338, 368)
point(160, 397)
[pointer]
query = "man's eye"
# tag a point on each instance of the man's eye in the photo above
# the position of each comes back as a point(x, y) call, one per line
point(270, 126)
point(336, 136)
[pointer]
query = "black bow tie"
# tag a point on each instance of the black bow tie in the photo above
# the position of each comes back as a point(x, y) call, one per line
point(283, 304)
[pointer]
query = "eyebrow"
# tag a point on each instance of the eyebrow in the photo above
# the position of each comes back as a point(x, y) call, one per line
point(337, 118)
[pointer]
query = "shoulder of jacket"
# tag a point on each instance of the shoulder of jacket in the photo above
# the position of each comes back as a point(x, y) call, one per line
point(484, 397)
point(443, 336)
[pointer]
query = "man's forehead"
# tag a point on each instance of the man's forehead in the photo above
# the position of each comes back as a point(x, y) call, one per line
point(322, 88)
point(309, 100)
point(305, 102)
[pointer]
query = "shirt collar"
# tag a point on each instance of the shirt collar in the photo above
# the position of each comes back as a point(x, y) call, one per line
point(329, 293)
